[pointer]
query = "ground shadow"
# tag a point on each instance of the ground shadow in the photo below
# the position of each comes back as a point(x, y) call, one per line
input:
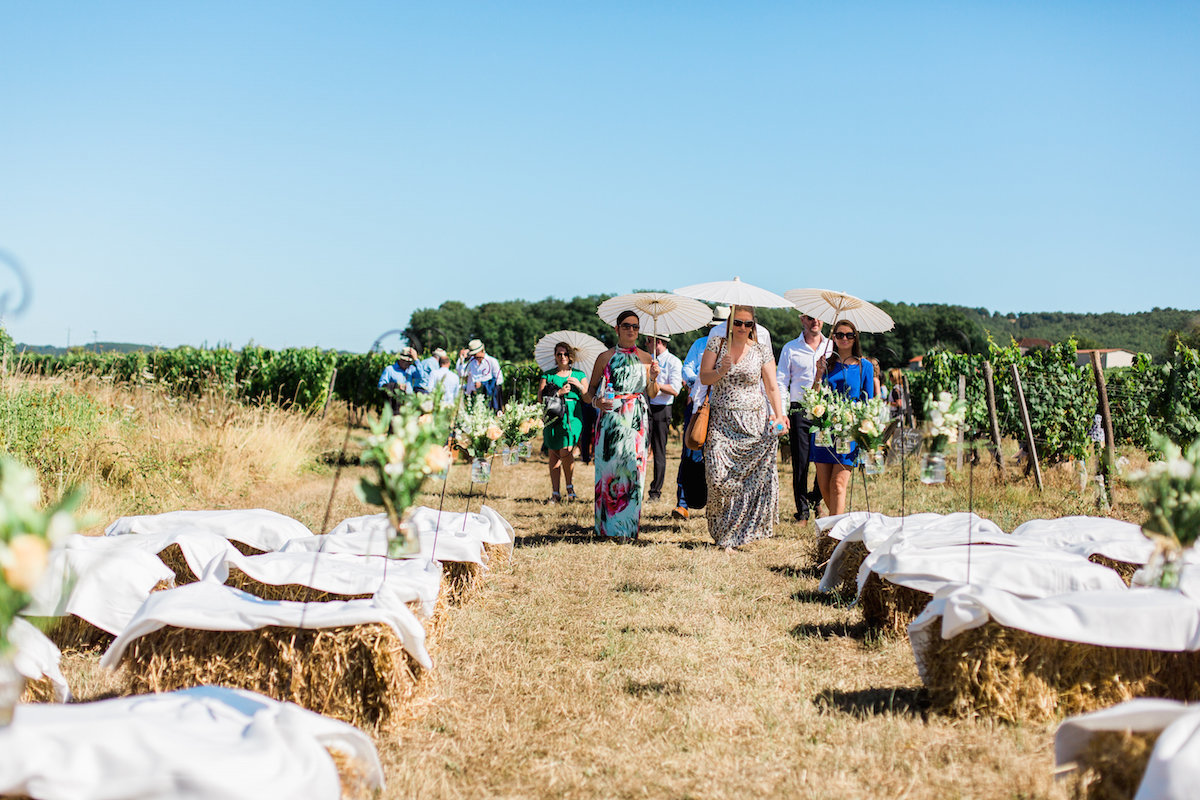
point(792, 571)
point(902, 701)
point(670, 630)
point(849, 630)
point(833, 599)
point(653, 688)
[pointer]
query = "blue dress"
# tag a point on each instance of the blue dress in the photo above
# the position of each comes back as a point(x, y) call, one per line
point(855, 381)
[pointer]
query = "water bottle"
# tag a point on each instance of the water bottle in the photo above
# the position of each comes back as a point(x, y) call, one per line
point(611, 397)
point(778, 427)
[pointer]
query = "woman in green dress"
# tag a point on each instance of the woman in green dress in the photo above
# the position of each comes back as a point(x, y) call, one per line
point(562, 435)
point(629, 375)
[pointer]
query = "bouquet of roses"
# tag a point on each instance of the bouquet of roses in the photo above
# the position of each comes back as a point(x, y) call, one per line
point(477, 429)
point(821, 404)
point(520, 422)
point(1170, 494)
point(403, 450)
point(872, 417)
point(946, 414)
point(27, 533)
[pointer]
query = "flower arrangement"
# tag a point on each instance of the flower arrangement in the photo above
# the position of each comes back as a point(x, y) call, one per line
point(946, 415)
point(477, 429)
point(872, 417)
point(821, 404)
point(403, 450)
point(1170, 494)
point(520, 422)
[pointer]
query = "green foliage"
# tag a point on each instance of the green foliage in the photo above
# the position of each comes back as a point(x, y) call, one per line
point(1177, 405)
point(1130, 392)
point(1170, 491)
point(44, 427)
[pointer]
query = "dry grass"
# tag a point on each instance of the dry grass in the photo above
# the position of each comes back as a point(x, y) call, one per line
point(359, 674)
point(1112, 765)
point(888, 607)
point(664, 669)
point(1014, 675)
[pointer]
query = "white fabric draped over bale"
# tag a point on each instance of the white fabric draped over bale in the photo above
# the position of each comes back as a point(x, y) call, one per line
point(1148, 619)
point(200, 547)
point(1111, 538)
point(37, 658)
point(210, 606)
point(256, 527)
point(1028, 571)
point(1173, 772)
point(103, 586)
point(206, 743)
point(410, 580)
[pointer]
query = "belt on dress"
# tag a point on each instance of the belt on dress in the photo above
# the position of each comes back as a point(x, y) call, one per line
point(626, 396)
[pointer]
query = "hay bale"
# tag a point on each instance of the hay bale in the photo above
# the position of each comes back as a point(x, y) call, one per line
point(1113, 764)
point(289, 591)
point(888, 607)
point(499, 555)
point(825, 547)
point(353, 775)
point(1016, 675)
point(360, 674)
point(852, 558)
point(39, 691)
point(73, 633)
point(460, 581)
point(172, 556)
point(1122, 568)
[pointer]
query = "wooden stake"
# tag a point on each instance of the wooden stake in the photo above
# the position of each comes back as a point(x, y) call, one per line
point(962, 395)
point(329, 392)
point(908, 417)
point(990, 384)
point(1030, 447)
point(1110, 455)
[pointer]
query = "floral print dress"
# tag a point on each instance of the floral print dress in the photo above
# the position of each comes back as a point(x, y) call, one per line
point(740, 453)
point(620, 448)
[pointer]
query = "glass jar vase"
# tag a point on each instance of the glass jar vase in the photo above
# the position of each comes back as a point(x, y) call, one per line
point(481, 470)
point(933, 468)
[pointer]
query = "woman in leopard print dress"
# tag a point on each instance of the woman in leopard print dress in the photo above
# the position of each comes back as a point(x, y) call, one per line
point(739, 455)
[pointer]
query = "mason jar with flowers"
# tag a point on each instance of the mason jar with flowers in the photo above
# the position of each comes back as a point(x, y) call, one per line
point(1169, 490)
point(944, 415)
point(477, 433)
point(403, 450)
point(872, 417)
point(520, 422)
point(819, 404)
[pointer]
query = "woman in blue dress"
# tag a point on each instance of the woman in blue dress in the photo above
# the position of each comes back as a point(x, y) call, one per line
point(848, 373)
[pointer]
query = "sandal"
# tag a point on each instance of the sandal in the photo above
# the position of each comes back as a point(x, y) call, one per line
point(571, 492)
point(555, 497)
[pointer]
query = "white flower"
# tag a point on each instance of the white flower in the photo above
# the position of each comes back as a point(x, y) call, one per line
point(61, 526)
point(394, 468)
point(395, 451)
point(427, 404)
point(1180, 468)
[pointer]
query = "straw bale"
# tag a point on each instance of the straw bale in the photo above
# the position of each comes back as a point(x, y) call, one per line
point(460, 581)
point(1122, 568)
point(498, 555)
point(852, 559)
point(889, 607)
point(289, 591)
point(825, 547)
point(360, 674)
point(39, 691)
point(1016, 675)
point(352, 773)
point(1112, 765)
point(73, 633)
point(172, 556)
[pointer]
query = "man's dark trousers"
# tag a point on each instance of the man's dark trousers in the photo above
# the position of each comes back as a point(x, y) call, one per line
point(660, 422)
point(799, 445)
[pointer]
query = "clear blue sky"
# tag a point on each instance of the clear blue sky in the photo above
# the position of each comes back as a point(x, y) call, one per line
point(303, 173)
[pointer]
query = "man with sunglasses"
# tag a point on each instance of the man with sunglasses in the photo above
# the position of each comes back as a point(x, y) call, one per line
point(795, 374)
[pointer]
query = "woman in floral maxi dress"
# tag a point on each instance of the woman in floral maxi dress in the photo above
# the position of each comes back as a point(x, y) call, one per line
point(620, 435)
point(739, 455)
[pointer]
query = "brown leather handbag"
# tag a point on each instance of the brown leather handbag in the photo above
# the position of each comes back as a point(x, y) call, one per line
point(697, 429)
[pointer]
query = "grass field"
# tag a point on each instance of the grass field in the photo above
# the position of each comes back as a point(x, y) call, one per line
point(588, 669)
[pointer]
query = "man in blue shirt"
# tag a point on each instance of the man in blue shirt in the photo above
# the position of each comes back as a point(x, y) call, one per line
point(405, 375)
point(691, 462)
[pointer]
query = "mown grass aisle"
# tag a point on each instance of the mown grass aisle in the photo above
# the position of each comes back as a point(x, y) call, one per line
point(670, 669)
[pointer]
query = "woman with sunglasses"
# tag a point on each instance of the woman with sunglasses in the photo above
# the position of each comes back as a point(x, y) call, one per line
point(847, 372)
point(628, 375)
point(739, 455)
point(562, 434)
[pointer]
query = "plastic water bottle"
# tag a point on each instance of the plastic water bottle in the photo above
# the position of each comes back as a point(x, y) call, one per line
point(778, 428)
point(611, 397)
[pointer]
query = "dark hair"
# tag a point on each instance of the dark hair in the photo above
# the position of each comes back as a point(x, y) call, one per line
point(856, 349)
point(566, 346)
point(624, 315)
point(753, 320)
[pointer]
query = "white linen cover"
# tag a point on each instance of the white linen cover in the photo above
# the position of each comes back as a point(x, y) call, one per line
point(410, 580)
point(1028, 571)
point(257, 527)
point(199, 547)
point(102, 586)
point(1173, 772)
point(37, 657)
point(210, 606)
point(878, 532)
point(1112, 538)
point(1150, 619)
point(207, 743)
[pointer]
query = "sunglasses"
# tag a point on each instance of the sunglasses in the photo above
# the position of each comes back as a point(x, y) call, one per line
point(845, 335)
point(743, 323)
point(561, 354)
point(629, 326)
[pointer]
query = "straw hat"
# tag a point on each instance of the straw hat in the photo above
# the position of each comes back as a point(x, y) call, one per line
point(474, 347)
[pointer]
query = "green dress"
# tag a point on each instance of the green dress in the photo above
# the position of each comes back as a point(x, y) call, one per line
point(563, 433)
point(620, 449)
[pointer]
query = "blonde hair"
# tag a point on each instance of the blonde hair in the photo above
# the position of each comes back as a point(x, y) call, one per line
point(753, 320)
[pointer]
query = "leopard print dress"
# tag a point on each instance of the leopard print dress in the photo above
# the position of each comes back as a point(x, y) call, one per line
point(740, 453)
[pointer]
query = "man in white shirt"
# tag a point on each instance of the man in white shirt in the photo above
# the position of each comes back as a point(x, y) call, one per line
point(446, 378)
point(795, 374)
point(670, 381)
point(481, 373)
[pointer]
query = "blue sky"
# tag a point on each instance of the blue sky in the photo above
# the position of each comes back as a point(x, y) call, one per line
point(309, 173)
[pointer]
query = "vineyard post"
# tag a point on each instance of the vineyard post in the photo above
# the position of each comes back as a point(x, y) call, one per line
point(1030, 446)
point(909, 419)
point(1110, 455)
point(989, 383)
point(329, 392)
point(962, 395)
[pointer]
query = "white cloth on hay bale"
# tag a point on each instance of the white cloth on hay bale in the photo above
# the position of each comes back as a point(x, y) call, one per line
point(256, 527)
point(210, 606)
point(1086, 536)
point(37, 658)
point(1147, 619)
point(1028, 571)
point(409, 580)
point(1173, 771)
point(455, 541)
point(877, 531)
point(206, 743)
point(200, 547)
point(103, 586)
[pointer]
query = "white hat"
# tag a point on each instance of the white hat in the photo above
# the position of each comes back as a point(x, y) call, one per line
point(720, 314)
point(474, 347)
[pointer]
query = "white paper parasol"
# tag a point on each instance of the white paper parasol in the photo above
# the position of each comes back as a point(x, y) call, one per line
point(829, 306)
point(586, 349)
point(735, 293)
point(658, 312)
